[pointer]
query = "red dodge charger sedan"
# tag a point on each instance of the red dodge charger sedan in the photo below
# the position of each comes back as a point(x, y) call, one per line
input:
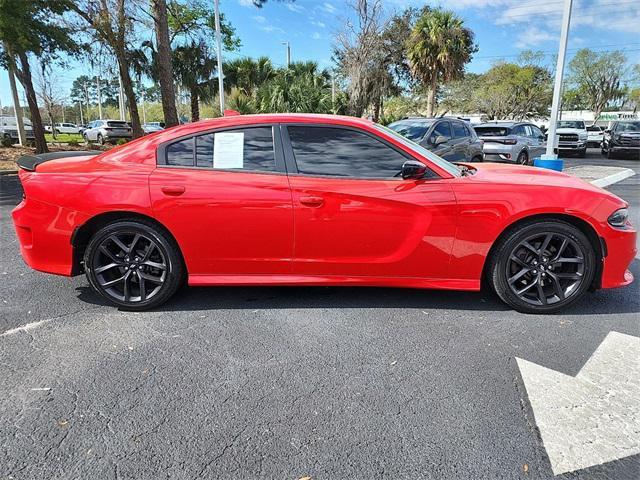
point(315, 200)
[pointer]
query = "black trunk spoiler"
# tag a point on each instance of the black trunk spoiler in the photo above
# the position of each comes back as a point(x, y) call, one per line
point(30, 162)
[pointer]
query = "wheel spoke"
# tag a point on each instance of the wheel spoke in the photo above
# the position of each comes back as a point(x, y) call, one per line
point(577, 260)
point(106, 251)
point(157, 265)
point(119, 243)
point(143, 289)
point(104, 268)
point(134, 242)
point(568, 276)
point(528, 246)
point(528, 287)
point(114, 281)
point(520, 262)
point(148, 251)
point(519, 275)
point(126, 291)
point(545, 243)
point(541, 295)
point(150, 278)
point(560, 251)
point(557, 287)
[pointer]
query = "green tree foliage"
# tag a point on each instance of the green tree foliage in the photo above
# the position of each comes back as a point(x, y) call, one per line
point(33, 28)
point(438, 49)
point(598, 76)
point(193, 67)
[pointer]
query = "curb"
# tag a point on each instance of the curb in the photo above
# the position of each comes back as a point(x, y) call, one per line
point(614, 178)
point(8, 172)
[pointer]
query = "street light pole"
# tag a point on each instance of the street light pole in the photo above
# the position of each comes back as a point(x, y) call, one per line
point(99, 97)
point(219, 55)
point(288, 53)
point(557, 86)
point(17, 109)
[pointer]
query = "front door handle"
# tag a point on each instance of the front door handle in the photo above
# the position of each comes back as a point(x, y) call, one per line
point(312, 201)
point(173, 190)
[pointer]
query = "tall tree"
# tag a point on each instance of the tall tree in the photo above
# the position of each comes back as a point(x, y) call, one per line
point(165, 75)
point(112, 23)
point(33, 28)
point(438, 49)
point(247, 74)
point(599, 75)
point(194, 66)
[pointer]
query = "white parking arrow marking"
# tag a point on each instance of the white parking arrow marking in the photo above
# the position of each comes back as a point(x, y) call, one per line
point(592, 418)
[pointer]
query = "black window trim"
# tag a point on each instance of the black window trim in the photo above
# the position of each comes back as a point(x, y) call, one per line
point(161, 151)
point(292, 166)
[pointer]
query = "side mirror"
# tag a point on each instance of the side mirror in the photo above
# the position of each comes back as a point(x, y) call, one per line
point(413, 169)
point(439, 140)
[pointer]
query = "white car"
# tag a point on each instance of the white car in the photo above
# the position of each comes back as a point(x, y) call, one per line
point(572, 136)
point(103, 131)
point(595, 135)
point(9, 129)
point(63, 128)
point(152, 127)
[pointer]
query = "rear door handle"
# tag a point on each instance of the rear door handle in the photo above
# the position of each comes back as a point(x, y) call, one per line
point(173, 190)
point(312, 201)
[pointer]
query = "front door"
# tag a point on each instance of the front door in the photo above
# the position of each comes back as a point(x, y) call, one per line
point(226, 198)
point(354, 216)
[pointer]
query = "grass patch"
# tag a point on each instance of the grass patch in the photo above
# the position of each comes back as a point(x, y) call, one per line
point(63, 138)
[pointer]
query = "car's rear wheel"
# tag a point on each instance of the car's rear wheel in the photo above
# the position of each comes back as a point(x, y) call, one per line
point(542, 266)
point(476, 159)
point(523, 158)
point(86, 139)
point(100, 139)
point(133, 264)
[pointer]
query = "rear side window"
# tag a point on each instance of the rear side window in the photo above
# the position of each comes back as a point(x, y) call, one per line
point(342, 152)
point(248, 149)
point(413, 130)
point(459, 130)
point(519, 130)
point(117, 124)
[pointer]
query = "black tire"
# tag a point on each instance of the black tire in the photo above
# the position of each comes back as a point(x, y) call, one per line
point(611, 155)
point(141, 277)
point(566, 280)
point(100, 139)
point(477, 158)
point(86, 139)
point(523, 158)
point(582, 153)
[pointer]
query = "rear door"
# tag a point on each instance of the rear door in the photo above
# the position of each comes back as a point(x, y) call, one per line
point(461, 142)
point(226, 198)
point(444, 149)
point(354, 216)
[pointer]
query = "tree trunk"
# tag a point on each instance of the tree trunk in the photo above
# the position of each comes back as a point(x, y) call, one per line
point(431, 97)
point(165, 73)
point(24, 75)
point(195, 105)
point(127, 86)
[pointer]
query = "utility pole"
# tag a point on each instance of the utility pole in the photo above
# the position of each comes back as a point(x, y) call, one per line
point(144, 111)
point(219, 55)
point(17, 109)
point(86, 97)
point(81, 118)
point(333, 93)
point(552, 141)
point(288, 53)
point(99, 97)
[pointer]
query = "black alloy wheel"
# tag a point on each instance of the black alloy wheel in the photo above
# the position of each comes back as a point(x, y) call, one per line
point(542, 267)
point(133, 264)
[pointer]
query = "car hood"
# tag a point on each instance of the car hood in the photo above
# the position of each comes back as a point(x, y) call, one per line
point(521, 175)
point(570, 130)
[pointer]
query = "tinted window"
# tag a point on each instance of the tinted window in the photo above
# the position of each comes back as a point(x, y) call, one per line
point(253, 146)
point(118, 124)
point(628, 127)
point(343, 152)
point(493, 131)
point(519, 130)
point(181, 153)
point(412, 129)
point(442, 129)
point(459, 130)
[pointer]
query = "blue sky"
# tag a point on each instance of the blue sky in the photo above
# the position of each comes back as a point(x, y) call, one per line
point(503, 28)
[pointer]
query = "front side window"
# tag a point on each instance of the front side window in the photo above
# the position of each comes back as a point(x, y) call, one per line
point(248, 149)
point(441, 130)
point(342, 152)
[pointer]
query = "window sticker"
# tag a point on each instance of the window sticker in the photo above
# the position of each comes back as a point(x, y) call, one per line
point(228, 150)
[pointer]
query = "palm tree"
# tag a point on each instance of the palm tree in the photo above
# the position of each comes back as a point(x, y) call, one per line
point(247, 74)
point(193, 67)
point(438, 49)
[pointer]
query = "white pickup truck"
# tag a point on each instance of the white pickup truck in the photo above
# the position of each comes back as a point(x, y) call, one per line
point(572, 136)
point(63, 128)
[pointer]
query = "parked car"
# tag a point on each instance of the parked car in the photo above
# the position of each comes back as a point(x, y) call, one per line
point(63, 128)
point(103, 131)
point(516, 142)
point(572, 136)
point(449, 138)
point(219, 202)
point(595, 135)
point(9, 129)
point(622, 137)
point(152, 127)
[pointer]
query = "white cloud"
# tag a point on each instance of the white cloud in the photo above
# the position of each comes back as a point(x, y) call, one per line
point(318, 24)
point(533, 37)
point(272, 29)
point(246, 3)
point(327, 7)
point(259, 19)
point(294, 7)
point(316, 36)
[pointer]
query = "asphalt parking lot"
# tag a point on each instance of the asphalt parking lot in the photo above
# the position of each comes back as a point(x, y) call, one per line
point(288, 382)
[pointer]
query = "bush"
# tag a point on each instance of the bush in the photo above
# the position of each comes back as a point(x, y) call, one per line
point(73, 143)
point(6, 142)
point(122, 141)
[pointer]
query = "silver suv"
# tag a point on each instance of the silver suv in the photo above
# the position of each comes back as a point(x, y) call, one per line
point(103, 131)
point(515, 142)
point(9, 129)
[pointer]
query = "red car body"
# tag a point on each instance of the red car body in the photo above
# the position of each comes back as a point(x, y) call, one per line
point(244, 228)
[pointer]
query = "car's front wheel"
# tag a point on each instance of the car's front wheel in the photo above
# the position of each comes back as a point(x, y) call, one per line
point(133, 264)
point(542, 266)
point(523, 158)
point(101, 140)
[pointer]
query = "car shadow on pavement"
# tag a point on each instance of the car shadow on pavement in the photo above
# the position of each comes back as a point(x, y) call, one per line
point(222, 298)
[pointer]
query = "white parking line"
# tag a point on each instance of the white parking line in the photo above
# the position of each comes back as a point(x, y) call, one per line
point(615, 178)
point(600, 175)
point(594, 417)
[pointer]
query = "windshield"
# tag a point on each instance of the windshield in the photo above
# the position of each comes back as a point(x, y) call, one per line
point(412, 129)
point(493, 131)
point(449, 167)
point(628, 127)
point(579, 124)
